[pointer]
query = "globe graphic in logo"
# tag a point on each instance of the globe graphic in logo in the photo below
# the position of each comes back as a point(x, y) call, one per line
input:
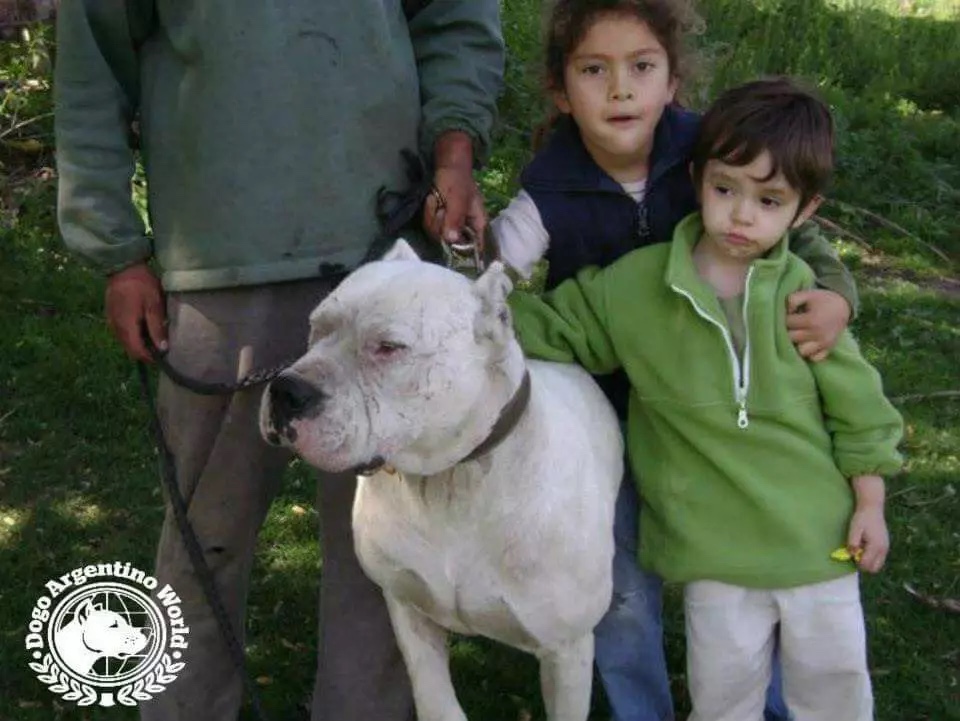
point(107, 634)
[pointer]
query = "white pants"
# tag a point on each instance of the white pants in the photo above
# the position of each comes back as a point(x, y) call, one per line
point(731, 633)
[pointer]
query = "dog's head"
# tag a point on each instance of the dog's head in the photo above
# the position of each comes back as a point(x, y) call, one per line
point(108, 633)
point(406, 364)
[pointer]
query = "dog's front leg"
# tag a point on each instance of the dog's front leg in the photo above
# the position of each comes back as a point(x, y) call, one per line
point(424, 647)
point(566, 675)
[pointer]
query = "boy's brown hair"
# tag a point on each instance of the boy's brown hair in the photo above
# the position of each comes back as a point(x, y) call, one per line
point(776, 115)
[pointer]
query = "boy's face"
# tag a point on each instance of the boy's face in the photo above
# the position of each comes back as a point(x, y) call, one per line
point(744, 215)
point(617, 82)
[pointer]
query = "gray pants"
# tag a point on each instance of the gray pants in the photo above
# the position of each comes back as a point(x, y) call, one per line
point(229, 476)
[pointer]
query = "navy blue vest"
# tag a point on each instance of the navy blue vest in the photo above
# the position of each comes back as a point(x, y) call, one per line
point(589, 217)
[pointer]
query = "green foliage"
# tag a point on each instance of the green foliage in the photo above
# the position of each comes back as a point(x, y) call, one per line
point(860, 48)
point(25, 99)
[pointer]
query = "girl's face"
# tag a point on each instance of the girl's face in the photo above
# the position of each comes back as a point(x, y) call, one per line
point(617, 82)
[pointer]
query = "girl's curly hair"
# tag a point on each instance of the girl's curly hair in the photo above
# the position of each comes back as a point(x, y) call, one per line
point(673, 22)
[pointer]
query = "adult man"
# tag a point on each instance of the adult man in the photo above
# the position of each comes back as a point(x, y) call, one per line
point(266, 129)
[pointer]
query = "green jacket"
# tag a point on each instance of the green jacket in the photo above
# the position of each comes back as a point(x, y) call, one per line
point(266, 128)
point(744, 466)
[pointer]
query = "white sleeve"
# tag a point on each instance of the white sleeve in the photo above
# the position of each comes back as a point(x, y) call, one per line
point(520, 234)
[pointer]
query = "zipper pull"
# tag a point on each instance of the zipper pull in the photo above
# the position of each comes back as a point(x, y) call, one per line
point(742, 420)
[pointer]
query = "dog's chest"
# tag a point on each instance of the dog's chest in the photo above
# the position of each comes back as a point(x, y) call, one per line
point(459, 560)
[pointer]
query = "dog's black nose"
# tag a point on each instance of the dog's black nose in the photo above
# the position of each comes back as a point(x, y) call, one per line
point(293, 397)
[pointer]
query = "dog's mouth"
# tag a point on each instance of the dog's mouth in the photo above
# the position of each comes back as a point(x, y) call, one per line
point(326, 450)
point(370, 467)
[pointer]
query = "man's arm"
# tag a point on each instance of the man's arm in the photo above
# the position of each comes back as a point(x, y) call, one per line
point(567, 324)
point(95, 162)
point(459, 49)
point(95, 158)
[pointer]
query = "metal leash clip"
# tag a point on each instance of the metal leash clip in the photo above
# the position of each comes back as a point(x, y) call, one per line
point(466, 255)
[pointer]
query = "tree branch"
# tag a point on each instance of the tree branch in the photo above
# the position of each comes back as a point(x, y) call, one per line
point(880, 220)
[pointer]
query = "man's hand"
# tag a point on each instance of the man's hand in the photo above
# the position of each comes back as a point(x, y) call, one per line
point(134, 298)
point(459, 203)
point(815, 319)
point(868, 529)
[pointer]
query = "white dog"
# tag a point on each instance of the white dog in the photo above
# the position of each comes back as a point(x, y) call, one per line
point(492, 509)
point(95, 633)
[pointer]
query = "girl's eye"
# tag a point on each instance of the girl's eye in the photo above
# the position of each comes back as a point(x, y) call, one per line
point(722, 189)
point(387, 348)
point(770, 202)
point(643, 66)
point(591, 69)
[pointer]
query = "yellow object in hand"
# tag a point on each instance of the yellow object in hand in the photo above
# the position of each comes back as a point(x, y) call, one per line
point(842, 554)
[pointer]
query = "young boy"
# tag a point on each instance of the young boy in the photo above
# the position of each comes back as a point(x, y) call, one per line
point(756, 464)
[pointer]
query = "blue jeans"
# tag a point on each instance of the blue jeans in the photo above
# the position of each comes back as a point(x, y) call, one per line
point(629, 638)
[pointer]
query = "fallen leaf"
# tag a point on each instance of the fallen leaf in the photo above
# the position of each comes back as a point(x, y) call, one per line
point(264, 680)
point(298, 510)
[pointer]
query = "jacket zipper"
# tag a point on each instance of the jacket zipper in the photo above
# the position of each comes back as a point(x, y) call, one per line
point(741, 374)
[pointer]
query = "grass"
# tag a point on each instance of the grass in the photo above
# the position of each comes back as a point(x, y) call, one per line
point(78, 474)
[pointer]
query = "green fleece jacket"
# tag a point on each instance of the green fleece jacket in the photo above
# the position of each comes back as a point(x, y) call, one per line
point(266, 127)
point(744, 465)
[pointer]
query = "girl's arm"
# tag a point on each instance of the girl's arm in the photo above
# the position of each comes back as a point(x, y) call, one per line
point(520, 235)
point(817, 317)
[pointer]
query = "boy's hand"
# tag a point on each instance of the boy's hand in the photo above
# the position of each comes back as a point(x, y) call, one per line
point(815, 319)
point(868, 529)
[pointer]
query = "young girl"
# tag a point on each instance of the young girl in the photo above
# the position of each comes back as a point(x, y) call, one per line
point(614, 176)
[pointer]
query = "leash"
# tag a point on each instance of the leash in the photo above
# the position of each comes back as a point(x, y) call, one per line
point(206, 388)
point(471, 251)
point(168, 474)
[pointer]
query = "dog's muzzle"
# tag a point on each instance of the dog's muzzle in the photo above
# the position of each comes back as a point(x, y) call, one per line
point(292, 397)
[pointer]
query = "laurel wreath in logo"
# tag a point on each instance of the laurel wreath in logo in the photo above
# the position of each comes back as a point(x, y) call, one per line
point(58, 681)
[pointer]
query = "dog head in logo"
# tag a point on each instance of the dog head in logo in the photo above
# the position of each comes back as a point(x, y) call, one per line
point(94, 633)
point(406, 364)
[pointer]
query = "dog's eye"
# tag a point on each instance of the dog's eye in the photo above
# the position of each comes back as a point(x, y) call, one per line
point(386, 348)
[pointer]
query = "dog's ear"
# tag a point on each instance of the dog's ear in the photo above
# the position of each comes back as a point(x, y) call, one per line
point(492, 289)
point(401, 250)
point(84, 610)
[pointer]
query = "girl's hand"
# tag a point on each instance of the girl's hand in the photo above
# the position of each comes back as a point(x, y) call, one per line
point(815, 319)
point(868, 529)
